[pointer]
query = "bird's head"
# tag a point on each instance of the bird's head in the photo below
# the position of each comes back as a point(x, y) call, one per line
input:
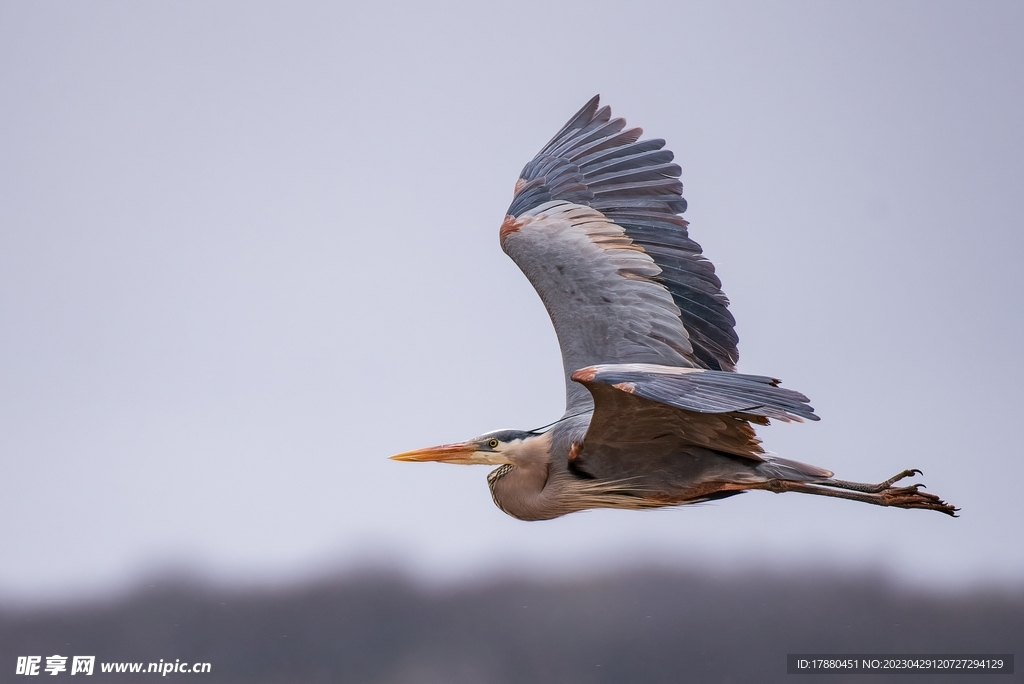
point(494, 448)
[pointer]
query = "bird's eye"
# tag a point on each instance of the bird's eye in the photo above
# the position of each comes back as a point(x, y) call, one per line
point(493, 443)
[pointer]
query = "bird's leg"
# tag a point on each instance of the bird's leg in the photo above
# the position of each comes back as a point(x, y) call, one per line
point(870, 488)
point(881, 494)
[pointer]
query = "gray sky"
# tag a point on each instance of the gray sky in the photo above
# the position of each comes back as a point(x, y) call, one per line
point(249, 250)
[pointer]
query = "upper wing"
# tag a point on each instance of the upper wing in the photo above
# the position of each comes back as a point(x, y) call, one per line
point(594, 226)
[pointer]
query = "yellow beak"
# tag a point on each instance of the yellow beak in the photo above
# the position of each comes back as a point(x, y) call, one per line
point(450, 453)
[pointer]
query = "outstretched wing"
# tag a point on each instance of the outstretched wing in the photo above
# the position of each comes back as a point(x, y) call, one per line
point(656, 418)
point(594, 227)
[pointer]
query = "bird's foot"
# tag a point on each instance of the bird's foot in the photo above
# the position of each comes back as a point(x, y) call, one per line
point(871, 488)
point(913, 497)
point(881, 494)
point(884, 494)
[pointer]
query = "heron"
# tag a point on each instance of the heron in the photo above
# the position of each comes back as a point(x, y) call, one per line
point(656, 414)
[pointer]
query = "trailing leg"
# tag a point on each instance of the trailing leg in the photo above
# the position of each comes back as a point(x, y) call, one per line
point(881, 494)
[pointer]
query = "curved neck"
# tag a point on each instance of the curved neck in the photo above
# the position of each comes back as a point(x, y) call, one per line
point(521, 488)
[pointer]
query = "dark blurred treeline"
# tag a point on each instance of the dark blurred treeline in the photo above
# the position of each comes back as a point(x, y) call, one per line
point(632, 627)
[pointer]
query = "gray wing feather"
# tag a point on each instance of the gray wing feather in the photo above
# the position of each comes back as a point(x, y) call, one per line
point(668, 424)
point(626, 427)
point(667, 427)
point(595, 161)
point(599, 289)
point(703, 391)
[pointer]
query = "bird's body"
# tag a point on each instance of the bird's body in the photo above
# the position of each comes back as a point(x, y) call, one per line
point(655, 413)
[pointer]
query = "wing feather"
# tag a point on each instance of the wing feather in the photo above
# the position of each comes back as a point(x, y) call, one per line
point(599, 288)
point(702, 391)
point(678, 408)
point(595, 161)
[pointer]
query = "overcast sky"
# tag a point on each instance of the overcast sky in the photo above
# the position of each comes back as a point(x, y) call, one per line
point(249, 250)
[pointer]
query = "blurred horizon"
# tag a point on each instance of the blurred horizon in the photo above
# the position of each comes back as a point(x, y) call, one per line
point(249, 250)
point(433, 579)
point(638, 625)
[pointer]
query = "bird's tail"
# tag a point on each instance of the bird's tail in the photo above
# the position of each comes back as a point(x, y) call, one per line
point(778, 468)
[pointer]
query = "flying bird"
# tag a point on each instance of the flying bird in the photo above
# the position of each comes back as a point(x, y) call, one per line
point(655, 413)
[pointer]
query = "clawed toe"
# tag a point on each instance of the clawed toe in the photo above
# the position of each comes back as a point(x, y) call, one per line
point(913, 497)
point(871, 488)
point(899, 476)
point(881, 494)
